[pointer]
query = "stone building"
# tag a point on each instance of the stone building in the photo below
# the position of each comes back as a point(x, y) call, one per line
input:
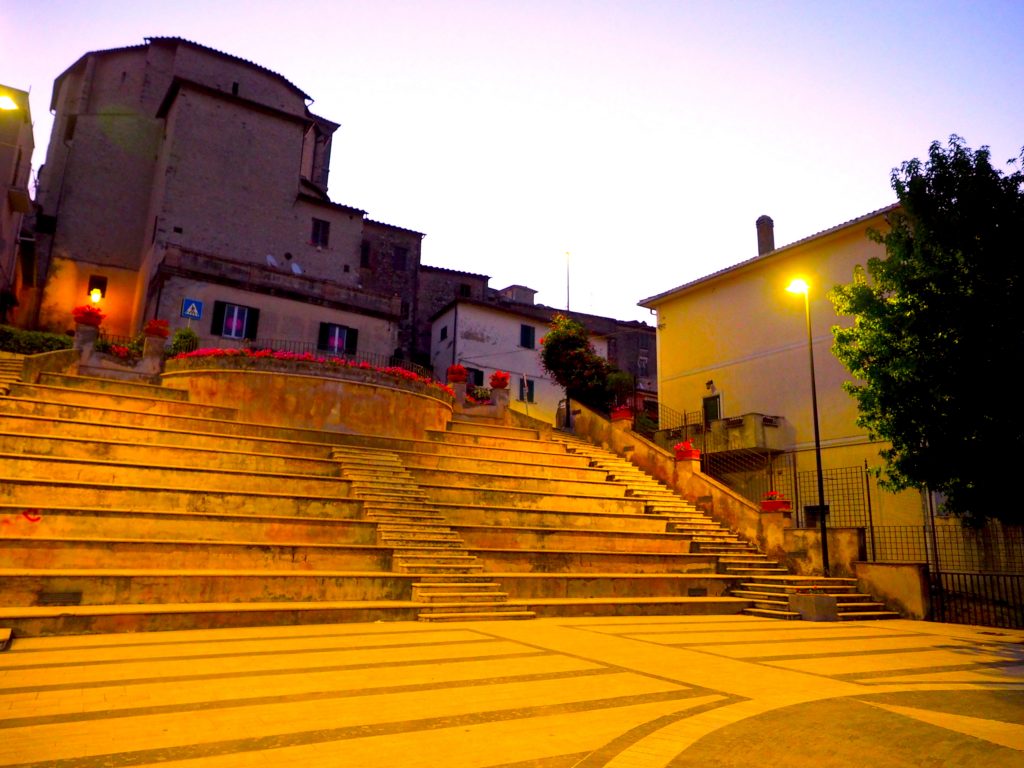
point(177, 172)
point(16, 146)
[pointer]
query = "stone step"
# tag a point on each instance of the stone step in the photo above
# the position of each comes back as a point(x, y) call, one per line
point(112, 386)
point(21, 587)
point(490, 441)
point(838, 589)
point(64, 470)
point(742, 571)
point(771, 613)
point(508, 537)
point(459, 597)
point(13, 424)
point(190, 554)
point(521, 560)
point(25, 493)
point(121, 417)
point(550, 500)
point(534, 470)
point(151, 454)
point(504, 615)
point(80, 522)
point(867, 615)
point(118, 401)
point(467, 607)
point(38, 621)
point(506, 433)
point(492, 482)
point(631, 606)
point(419, 569)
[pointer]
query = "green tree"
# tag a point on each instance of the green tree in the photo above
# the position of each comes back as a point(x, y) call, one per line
point(938, 329)
point(567, 354)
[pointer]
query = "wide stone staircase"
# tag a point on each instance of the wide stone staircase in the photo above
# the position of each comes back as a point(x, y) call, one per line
point(450, 581)
point(126, 507)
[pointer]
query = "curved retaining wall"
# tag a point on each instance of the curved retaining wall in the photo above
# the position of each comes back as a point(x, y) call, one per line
point(374, 405)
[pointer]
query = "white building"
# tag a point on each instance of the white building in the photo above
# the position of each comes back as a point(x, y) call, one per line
point(491, 336)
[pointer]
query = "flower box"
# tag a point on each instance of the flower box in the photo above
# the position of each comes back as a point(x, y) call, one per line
point(88, 315)
point(457, 374)
point(776, 505)
point(686, 451)
point(622, 412)
point(158, 328)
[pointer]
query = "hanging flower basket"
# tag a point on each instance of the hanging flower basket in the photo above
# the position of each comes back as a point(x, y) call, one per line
point(686, 451)
point(499, 380)
point(87, 314)
point(773, 502)
point(457, 374)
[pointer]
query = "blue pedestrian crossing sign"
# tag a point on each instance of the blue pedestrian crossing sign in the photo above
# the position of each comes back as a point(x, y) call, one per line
point(192, 309)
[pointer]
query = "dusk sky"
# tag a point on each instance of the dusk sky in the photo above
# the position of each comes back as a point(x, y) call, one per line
point(644, 138)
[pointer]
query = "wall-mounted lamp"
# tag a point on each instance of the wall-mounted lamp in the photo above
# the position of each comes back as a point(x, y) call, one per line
point(97, 288)
point(709, 385)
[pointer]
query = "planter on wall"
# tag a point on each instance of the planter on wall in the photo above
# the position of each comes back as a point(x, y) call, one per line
point(776, 505)
point(686, 454)
point(622, 414)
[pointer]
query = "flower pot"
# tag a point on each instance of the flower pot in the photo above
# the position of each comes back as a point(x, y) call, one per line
point(684, 454)
point(775, 505)
point(622, 414)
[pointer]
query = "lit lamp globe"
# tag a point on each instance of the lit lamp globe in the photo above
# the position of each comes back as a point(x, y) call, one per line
point(95, 295)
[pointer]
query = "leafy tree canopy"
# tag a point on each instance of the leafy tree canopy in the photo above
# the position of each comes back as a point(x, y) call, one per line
point(938, 330)
point(569, 357)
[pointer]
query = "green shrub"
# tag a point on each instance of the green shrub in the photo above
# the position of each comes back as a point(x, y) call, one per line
point(31, 342)
point(183, 340)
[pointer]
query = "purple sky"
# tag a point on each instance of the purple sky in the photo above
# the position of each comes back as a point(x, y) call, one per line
point(642, 137)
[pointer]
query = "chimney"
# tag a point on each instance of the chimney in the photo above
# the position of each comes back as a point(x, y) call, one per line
point(765, 235)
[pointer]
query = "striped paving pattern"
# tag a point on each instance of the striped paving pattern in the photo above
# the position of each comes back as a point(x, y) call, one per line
point(552, 693)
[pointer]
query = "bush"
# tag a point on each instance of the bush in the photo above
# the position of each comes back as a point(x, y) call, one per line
point(31, 342)
point(184, 340)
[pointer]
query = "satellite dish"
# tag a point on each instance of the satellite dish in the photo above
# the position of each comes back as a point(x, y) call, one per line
point(271, 261)
point(296, 269)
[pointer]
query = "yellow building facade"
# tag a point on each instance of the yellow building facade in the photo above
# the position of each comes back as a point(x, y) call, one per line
point(739, 334)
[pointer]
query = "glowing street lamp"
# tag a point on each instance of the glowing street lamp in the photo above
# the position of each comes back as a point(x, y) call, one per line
point(7, 104)
point(800, 286)
point(95, 295)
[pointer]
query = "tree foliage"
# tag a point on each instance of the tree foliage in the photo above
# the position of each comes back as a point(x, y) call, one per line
point(569, 357)
point(938, 329)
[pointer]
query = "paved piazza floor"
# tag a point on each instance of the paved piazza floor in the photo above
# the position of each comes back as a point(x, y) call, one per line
point(551, 693)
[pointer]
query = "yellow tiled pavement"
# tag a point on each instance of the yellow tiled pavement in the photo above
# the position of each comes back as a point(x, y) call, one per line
point(551, 693)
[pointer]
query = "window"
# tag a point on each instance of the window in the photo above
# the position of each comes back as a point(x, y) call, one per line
point(399, 258)
point(641, 366)
point(97, 282)
point(527, 336)
point(444, 332)
point(474, 377)
point(234, 321)
point(364, 254)
point(465, 290)
point(337, 339)
point(321, 233)
point(712, 409)
point(525, 390)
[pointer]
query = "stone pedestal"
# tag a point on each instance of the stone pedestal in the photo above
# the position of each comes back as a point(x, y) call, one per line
point(86, 335)
point(814, 607)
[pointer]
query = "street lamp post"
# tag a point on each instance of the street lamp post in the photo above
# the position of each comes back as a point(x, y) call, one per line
point(800, 286)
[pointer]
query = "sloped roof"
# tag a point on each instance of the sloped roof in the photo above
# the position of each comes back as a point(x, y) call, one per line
point(648, 302)
point(173, 40)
